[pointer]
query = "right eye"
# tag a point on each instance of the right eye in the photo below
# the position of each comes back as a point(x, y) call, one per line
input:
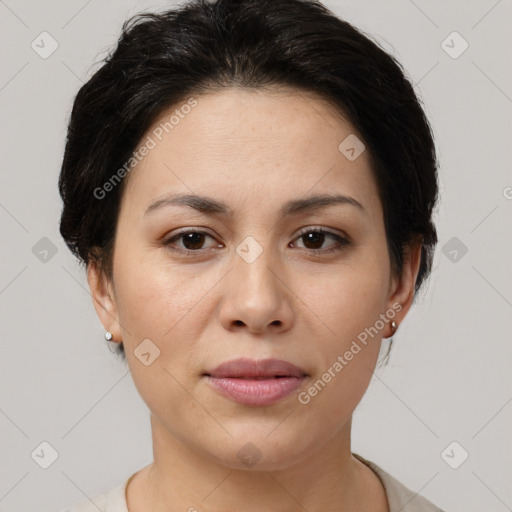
point(192, 242)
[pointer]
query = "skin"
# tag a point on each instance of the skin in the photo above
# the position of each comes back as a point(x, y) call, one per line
point(254, 150)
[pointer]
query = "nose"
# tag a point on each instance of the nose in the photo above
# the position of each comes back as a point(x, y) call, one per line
point(256, 296)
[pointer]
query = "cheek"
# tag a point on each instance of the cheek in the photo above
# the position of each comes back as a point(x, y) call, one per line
point(153, 298)
point(347, 304)
point(348, 299)
point(168, 306)
point(163, 305)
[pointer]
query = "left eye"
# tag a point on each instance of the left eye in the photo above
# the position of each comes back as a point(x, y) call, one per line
point(316, 237)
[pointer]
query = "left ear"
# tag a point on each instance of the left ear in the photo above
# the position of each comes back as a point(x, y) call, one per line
point(402, 289)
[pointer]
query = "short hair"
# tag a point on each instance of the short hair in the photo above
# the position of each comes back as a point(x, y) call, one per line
point(162, 58)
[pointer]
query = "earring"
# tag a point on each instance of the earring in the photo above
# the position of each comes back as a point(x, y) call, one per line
point(108, 336)
point(394, 326)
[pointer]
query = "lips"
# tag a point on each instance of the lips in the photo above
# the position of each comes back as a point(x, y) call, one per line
point(256, 383)
point(253, 369)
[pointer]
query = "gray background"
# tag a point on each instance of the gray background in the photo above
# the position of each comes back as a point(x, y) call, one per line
point(449, 376)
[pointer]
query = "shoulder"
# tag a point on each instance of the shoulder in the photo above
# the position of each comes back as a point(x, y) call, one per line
point(400, 498)
point(113, 500)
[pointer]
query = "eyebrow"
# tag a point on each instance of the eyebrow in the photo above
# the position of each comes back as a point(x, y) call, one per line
point(209, 205)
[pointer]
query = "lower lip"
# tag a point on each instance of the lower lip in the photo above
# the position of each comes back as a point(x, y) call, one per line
point(256, 392)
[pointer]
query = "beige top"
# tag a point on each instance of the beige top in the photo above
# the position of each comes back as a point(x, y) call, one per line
point(400, 498)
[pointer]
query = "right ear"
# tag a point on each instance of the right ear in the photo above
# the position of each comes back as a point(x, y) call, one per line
point(104, 299)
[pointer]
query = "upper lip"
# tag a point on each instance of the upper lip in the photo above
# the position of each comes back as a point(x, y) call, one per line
point(243, 367)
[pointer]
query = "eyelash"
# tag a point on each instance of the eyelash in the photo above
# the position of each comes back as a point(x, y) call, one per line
point(342, 242)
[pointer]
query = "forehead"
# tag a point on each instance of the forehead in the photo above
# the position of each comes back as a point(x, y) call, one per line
point(240, 143)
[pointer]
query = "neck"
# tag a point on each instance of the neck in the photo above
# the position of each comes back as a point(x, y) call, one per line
point(182, 478)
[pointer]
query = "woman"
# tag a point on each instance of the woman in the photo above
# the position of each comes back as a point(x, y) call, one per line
point(250, 185)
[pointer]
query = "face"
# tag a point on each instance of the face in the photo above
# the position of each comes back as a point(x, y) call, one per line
point(262, 271)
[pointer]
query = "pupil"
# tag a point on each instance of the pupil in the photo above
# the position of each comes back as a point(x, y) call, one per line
point(314, 237)
point(191, 239)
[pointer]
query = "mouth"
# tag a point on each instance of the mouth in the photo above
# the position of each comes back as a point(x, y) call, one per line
point(244, 368)
point(254, 378)
point(256, 382)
